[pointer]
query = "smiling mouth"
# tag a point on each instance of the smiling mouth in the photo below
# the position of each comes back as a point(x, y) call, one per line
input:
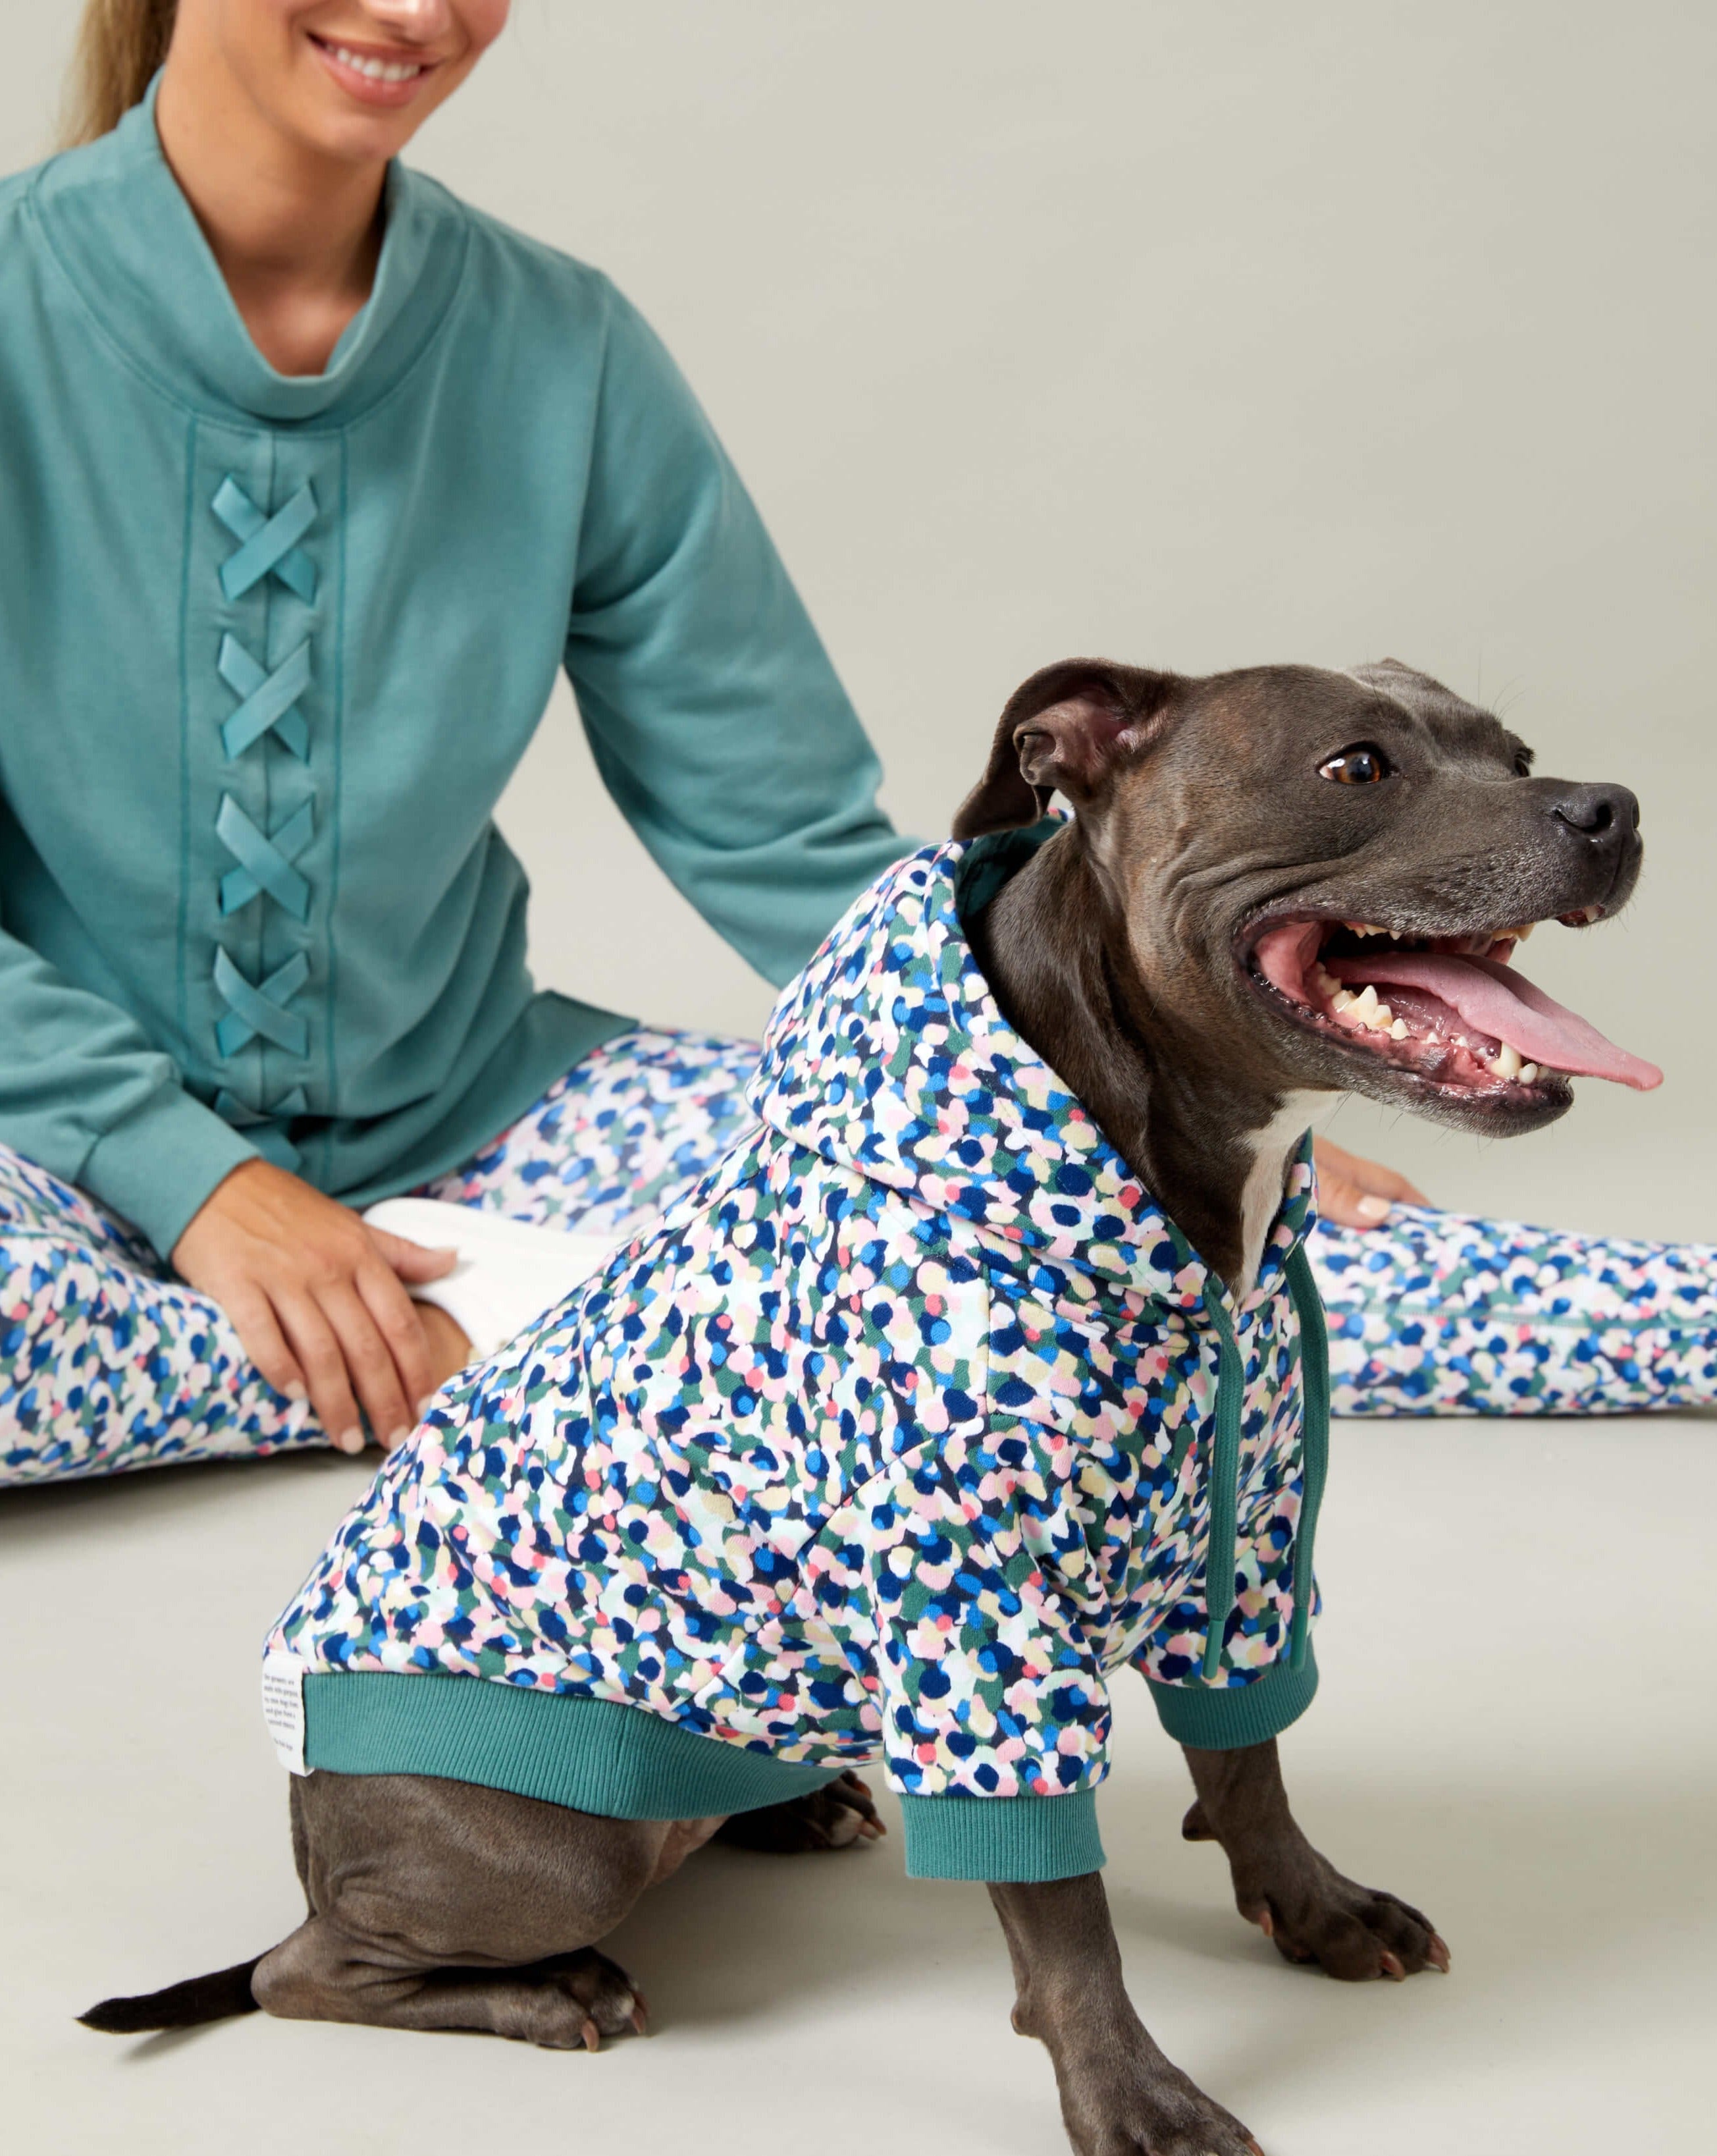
point(1448, 1011)
point(379, 71)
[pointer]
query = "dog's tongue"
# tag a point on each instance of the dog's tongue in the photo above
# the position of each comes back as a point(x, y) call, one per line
point(1493, 998)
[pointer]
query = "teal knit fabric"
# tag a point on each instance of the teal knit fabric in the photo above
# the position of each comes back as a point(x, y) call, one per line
point(273, 647)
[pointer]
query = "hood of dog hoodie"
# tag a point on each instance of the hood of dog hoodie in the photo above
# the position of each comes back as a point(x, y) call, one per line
point(892, 1440)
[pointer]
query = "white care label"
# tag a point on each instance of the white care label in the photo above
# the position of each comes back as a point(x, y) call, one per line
point(283, 1708)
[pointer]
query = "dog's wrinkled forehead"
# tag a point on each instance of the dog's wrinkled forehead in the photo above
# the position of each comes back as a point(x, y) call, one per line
point(1270, 721)
point(1098, 733)
point(1452, 723)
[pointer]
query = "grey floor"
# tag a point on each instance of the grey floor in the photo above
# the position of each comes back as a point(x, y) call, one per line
point(1516, 1731)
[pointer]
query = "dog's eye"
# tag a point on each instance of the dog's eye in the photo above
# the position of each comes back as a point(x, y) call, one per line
point(1362, 765)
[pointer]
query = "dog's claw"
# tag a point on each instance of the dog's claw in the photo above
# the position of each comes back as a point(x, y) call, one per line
point(1393, 1967)
point(591, 2034)
point(1267, 1923)
point(1437, 1953)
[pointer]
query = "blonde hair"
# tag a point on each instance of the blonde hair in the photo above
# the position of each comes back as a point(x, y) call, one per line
point(120, 45)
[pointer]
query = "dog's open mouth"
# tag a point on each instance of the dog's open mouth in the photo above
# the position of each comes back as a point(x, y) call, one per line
point(1449, 1009)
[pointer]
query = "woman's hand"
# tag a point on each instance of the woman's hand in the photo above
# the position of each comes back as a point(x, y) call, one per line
point(1357, 1193)
point(320, 1301)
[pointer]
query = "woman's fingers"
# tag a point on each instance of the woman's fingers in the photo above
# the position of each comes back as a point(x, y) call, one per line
point(1355, 1192)
point(374, 1375)
point(398, 1320)
point(412, 1262)
point(260, 1335)
point(322, 1359)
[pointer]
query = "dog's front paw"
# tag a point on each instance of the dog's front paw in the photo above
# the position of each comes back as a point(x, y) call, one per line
point(830, 1818)
point(1145, 2107)
point(1314, 1914)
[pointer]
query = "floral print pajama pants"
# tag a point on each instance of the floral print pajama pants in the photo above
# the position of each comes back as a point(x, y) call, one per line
point(108, 1363)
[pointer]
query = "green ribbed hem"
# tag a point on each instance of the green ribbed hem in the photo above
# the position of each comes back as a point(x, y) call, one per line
point(592, 1755)
point(1017, 1840)
point(1224, 1717)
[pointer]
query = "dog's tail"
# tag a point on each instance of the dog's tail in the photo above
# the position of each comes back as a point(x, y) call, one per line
point(181, 2006)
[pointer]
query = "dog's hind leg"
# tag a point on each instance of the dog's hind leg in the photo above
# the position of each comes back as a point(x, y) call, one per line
point(440, 1904)
point(835, 1817)
point(1312, 1911)
point(324, 1974)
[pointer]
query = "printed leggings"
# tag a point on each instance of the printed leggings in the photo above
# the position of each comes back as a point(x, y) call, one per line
point(107, 1362)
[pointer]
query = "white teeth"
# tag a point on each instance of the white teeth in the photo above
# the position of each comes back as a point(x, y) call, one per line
point(1367, 928)
point(1398, 1031)
point(1506, 1062)
point(1326, 984)
point(1343, 999)
point(1381, 1019)
point(376, 70)
point(1529, 1074)
point(1367, 1000)
point(1523, 931)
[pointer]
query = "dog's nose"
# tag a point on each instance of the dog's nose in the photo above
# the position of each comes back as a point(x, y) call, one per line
point(1605, 814)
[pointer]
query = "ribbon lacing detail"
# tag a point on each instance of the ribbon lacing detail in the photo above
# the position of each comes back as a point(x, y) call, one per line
point(268, 546)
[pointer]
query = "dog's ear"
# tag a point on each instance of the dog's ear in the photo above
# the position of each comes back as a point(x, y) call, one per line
point(1065, 730)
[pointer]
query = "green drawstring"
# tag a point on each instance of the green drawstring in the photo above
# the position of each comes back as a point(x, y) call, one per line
point(1225, 1462)
point(1224, 1485)
point(1315, 1391)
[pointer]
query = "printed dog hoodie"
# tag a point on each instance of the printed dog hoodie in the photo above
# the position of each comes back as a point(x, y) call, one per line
point(895, 1436)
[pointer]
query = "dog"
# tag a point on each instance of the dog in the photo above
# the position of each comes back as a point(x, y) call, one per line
point(989, 1361)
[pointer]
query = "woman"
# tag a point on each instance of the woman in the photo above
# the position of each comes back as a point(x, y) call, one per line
point(310, 478)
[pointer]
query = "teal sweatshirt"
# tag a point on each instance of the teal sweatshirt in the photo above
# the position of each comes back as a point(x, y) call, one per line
point(271, 647)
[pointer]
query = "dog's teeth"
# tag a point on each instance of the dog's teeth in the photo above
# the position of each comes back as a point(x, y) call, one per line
point(1326, 984)
point(1529, 1074)
point(1523, 931)
point(1506, 1062)
point(1343, 999)
point(1398, 1031)
point(1380, 1019)
point(1366, 1002)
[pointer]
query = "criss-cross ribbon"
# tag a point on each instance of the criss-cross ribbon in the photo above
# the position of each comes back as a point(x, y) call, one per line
point(268, 699)
point(269, 544)
point(255, 1008)
point(242, 1116)
point(264, 859)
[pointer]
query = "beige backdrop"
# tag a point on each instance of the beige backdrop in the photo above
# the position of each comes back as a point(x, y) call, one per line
point(1194, 335)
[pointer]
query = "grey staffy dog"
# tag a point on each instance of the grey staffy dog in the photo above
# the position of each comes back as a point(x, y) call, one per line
point(1245, 847)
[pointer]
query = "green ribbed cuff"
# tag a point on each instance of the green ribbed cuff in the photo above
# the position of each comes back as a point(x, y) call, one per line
point(1017, 1839)
point(1224, 1717)
point(157, 1164)
point(592, 1755)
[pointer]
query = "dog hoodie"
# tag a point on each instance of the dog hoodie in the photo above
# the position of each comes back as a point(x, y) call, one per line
point(892, 1440)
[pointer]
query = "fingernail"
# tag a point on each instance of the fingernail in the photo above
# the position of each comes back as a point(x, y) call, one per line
point(351, 1440)
point(397, 1437)
point(425, 1404)
point(296, 1392)
point(1373, 1208)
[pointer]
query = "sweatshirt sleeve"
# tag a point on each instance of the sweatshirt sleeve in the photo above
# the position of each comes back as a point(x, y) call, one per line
point(995, 1713)
point(84, 1095)
point(714, 716)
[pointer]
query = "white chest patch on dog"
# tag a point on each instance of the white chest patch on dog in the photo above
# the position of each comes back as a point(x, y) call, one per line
point(1261, 1194)
point(283, 1708)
